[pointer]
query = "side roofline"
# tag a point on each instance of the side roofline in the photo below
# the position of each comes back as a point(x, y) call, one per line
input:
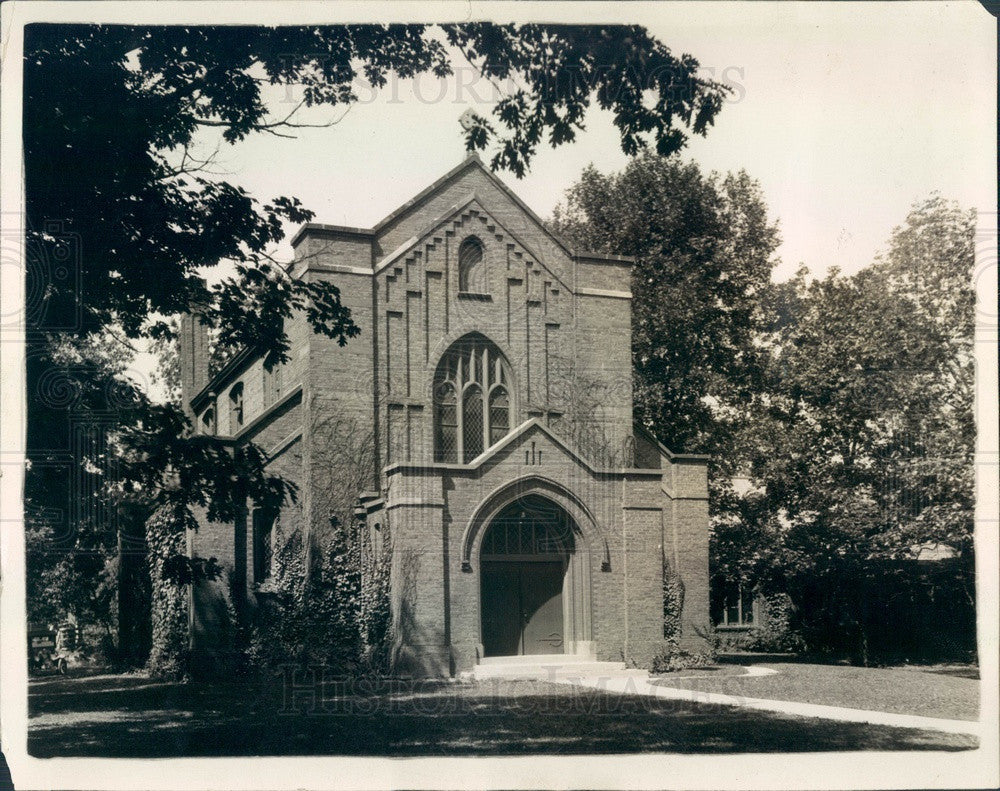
point(678, 457)
point(333, 230)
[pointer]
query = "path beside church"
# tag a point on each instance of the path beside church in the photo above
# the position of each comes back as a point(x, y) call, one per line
point(778, 688)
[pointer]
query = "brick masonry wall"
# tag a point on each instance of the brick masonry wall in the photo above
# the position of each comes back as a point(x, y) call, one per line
point(340, 404)
point(438, 602)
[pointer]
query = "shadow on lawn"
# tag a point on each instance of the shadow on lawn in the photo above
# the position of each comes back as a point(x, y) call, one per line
point(129, 717)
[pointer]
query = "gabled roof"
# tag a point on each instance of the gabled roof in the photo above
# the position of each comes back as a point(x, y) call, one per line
point(516, 436)
point(450, 213)
point(523, 430)
point(471, 161)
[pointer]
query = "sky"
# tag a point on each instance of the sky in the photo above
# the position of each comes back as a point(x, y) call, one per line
point(845, 113)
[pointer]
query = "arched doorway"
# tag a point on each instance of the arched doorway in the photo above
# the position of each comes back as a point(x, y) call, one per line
point(527, 564)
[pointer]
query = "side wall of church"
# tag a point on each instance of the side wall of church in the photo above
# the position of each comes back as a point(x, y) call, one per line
point(340, 450)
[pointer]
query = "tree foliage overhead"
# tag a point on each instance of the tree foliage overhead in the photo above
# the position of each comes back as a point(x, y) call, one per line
point(559, 69)
point(119, 106)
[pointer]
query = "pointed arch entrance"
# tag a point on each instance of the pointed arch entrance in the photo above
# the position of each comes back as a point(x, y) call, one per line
point(534, 581)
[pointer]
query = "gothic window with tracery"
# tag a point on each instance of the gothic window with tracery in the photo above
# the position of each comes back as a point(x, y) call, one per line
point(499, 415)
point(472, 400)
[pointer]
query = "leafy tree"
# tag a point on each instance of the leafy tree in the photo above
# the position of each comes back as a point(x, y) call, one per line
point(123, 216)
point(701, 306)
point(871, 407)
point(77, 572)
point(704, 251)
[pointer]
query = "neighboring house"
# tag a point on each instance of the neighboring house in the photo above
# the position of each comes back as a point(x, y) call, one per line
point(735, 608)
point(481, 424)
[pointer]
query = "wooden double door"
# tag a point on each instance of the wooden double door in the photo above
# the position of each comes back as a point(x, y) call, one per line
point(522, 606)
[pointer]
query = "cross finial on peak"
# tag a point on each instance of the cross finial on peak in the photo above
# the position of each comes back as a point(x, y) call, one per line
point(468, 120)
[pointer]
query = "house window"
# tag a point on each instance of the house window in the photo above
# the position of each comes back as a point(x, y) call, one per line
point(236, 408)
point(472, 400)
point(471, 270)
point(264, 521)
point(272, 382)
point(735, 607)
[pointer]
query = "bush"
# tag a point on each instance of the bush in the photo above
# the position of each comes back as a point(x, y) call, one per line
point(670, 661)
point(304, 618)
point(337, 615)
point(169, 654)
point(774, 634)
point(673, 605)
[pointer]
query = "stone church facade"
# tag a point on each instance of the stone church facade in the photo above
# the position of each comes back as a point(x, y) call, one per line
point(481, 424)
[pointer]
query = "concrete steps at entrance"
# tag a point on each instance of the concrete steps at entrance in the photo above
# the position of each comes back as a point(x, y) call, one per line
point(550, 667)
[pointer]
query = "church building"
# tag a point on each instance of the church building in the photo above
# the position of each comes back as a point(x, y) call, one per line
point(481, 424)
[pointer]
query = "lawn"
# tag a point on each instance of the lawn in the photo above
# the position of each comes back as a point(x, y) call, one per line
point(928, 692)
point(127, 716)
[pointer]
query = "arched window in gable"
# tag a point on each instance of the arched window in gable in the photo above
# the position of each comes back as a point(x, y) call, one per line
point(471, 269)
point(472, 407)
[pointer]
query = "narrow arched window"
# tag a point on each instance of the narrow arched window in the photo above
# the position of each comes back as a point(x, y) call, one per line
point(208, 421)
point(472, 400)
point(499, 414)
point(236, 408)
point(272, 380)
point(263, 522)
point(471, 270)
point(472, 422)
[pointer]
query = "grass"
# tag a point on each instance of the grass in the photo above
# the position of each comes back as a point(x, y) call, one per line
point(945, 692)
point(128, 716)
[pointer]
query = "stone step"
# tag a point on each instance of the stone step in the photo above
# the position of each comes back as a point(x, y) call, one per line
point(537, 659)
point(551, 669)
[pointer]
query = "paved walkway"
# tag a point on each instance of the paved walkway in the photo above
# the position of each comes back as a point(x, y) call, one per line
point(643, 686)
